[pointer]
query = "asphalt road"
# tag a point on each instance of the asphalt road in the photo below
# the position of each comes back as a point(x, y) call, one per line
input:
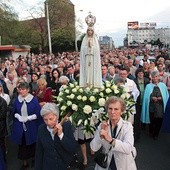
point(151, 154)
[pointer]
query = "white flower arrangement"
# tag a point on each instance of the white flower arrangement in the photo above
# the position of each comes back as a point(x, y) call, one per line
point(87, 104)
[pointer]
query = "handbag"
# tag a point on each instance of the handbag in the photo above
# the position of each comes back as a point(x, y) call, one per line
point(101, 159)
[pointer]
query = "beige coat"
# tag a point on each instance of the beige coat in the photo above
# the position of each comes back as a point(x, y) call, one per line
point(123, 149)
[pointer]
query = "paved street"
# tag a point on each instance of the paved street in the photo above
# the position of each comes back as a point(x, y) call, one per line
point(152, 154)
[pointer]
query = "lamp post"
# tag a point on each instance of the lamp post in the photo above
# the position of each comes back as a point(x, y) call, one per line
point(48, 27)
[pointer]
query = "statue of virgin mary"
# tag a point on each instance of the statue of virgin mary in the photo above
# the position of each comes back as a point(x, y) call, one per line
point(90, 62)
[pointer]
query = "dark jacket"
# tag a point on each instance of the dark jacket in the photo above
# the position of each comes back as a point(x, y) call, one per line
point(3, 115)
point(54, 154)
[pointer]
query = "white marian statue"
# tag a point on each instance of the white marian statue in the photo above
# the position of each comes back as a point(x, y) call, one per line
point(90, 62)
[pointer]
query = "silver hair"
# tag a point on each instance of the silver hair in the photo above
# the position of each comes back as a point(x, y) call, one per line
point(63, 78)
point(154, 73)
point(49, 108)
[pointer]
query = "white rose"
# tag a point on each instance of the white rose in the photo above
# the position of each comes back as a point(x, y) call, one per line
point(84, 98)
point(71, 85)
point(81, 90)
point(59, 99)
point(63, 108)
point(72, 96)
point(69, 103)
point(114, 87)
point(101, 94)
point(67, 91)
point(108, 90)
point(102, 88)
point(74, 90)
point(77, 87)
point(123, 96)
point(108, 84)
point(116, 91)
point(92, 98)
point(79, 97)
point(87, 109)
point(96, 90)
point(74, 107)
point(60, 94)
point(102, 102)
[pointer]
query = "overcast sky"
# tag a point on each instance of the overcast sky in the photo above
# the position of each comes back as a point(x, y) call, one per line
point(111, 16)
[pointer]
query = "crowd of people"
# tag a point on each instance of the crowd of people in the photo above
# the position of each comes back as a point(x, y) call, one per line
point(30, 117)
point(28, 84)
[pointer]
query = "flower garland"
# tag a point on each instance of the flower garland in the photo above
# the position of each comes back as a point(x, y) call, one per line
point(87, 104)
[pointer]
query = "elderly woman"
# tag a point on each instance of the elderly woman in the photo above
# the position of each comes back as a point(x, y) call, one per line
point(154, 102)
point(63, 80)
point(115, 136)
point(54, 150)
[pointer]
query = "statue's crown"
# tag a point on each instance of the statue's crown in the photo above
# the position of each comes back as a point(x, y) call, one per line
point(90, 20)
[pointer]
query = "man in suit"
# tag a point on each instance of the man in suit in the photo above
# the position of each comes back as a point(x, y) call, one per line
point(105, 74)
point(71, 74)
point(112, 74)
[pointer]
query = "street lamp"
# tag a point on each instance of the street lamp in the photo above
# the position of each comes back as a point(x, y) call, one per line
point(48, 27)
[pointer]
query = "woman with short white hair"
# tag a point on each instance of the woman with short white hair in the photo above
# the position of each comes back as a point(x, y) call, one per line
point(55, 143)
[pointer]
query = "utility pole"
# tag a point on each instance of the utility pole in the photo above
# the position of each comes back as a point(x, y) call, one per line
point(48, 27)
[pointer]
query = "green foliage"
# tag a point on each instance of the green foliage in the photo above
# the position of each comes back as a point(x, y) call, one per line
point(8, 24)
point(34, 32)
point(63, 38)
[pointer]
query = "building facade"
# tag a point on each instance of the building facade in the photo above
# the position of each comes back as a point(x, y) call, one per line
point(147, 33)
point(106, 43)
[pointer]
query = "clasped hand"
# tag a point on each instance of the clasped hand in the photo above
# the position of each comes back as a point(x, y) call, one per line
point(156, 99)
point(24, 119)
point(104, 131)
point(58, 129)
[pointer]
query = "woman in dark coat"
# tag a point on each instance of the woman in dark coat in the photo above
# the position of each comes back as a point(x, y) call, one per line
point(141, 83)
point(54, 81)
point(55, 144)
point(26, 112)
